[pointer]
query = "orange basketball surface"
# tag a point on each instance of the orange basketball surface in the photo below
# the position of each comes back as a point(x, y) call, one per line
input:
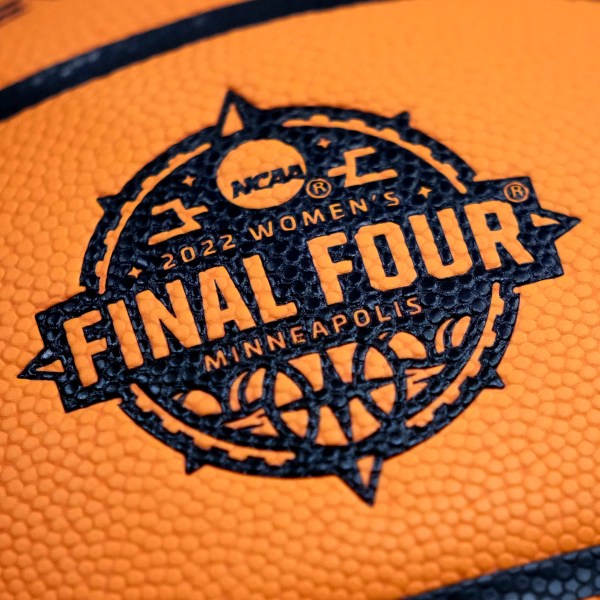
point(92, 506)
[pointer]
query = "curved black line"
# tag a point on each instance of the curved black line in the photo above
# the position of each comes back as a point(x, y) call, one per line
point(573, 576)
point(106, 59)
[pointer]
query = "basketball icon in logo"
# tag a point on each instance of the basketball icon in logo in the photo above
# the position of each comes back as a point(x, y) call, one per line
point(299, 292)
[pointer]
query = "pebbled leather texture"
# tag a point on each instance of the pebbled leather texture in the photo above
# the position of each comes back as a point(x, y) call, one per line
point(94, 507)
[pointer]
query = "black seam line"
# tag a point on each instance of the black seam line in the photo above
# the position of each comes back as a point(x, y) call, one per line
point(106, 59)
point(10, 9)
point(571, 576)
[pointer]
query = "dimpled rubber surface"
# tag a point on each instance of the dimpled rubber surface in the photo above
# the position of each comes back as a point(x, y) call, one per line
point(94, 507)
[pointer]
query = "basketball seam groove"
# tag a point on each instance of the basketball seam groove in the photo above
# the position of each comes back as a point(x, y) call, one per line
point(108, 58)
point(580, 568)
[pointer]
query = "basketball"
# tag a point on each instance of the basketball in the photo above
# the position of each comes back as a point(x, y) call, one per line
point(299, 300)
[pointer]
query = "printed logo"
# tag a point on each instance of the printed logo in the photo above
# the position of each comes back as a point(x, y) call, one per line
point(299, 292)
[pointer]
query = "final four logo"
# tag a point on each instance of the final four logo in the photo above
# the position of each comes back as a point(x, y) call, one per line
point(299, 292)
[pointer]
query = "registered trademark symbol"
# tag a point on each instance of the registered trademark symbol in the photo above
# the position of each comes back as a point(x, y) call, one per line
point(318, 188)
point(516, 192)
